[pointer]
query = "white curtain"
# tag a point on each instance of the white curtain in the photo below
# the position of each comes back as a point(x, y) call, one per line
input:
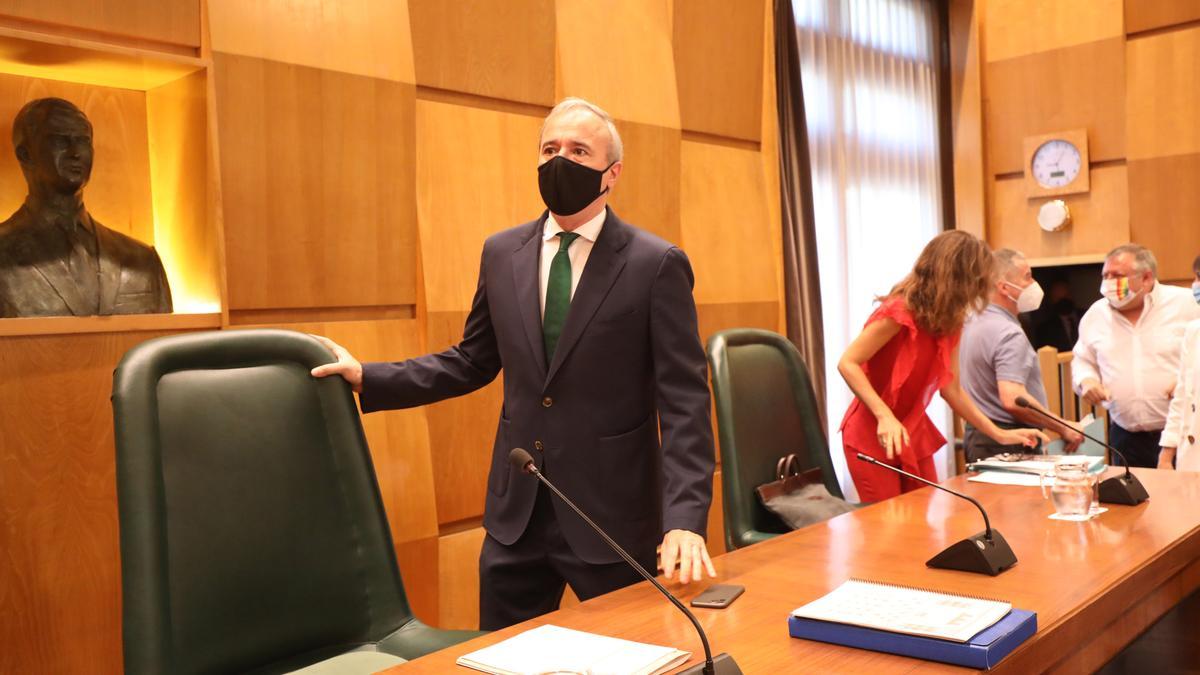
point(868, 69)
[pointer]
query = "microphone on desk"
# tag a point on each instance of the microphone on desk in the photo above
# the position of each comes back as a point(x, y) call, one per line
point(984, 553)
point(1124, 489)
point(723, 664)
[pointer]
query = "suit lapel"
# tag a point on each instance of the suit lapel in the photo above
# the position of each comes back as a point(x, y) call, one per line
point(525, 269)
point(54, 271)
point(110, 269)
point(604, 264)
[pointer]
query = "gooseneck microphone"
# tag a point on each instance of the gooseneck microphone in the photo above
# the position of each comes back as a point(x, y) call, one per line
point(984, 553)
point(723, 664)
point(1124, 489)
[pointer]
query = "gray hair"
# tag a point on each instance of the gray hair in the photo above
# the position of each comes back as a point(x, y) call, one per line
point(1143, 259)
point(1006, 261)
point(616, 150)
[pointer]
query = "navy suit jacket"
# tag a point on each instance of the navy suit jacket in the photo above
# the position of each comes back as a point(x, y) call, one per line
point(628, 365)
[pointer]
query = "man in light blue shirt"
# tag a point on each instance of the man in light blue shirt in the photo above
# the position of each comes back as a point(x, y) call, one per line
point(997, 363)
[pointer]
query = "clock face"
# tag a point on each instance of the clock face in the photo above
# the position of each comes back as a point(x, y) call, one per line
point(1056, 164)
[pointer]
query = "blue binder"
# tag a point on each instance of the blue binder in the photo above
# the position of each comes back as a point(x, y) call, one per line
point(984, 650)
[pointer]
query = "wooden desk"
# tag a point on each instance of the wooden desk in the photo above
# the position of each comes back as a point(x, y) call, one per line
point(1094, 585)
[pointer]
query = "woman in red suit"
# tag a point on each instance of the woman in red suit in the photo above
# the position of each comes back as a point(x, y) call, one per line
point(906, 352)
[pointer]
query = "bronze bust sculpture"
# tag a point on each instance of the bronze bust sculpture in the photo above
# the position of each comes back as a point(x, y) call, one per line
point(55, 259)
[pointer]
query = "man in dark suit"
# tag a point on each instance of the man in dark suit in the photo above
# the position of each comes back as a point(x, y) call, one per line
point(55, 259)
point(594, 325)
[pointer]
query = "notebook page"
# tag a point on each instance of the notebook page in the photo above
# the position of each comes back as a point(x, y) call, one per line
point(905, 610)
point(552, 649)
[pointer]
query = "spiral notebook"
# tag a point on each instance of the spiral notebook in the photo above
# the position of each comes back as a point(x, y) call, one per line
point(900, 609)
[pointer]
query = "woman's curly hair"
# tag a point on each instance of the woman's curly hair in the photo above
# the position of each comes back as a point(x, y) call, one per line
point(952, 276)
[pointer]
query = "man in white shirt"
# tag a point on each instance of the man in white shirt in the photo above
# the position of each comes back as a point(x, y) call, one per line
point(1127, 356)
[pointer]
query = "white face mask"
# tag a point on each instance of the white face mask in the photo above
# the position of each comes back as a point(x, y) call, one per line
point(1118, 292)
point(1196, 290)
point(1030, 297)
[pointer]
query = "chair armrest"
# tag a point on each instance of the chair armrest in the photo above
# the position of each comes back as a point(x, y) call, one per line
point(414, 639)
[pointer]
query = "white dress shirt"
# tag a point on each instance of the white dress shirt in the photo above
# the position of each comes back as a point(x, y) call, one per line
point(1138, 362)
point(1183, 421)
point(580, 249)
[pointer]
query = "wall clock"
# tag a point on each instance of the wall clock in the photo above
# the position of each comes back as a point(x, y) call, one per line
point(1056, 164)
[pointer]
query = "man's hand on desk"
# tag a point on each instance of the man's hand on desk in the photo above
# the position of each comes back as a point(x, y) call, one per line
point(1094, 392)
point(346, 365)
point(690, 550)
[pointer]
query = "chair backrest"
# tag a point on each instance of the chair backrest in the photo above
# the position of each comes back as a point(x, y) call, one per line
point(1064, 402)
point(253, 536)
point(766, 409)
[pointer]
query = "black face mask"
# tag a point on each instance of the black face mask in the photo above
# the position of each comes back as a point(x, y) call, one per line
point(568, 187)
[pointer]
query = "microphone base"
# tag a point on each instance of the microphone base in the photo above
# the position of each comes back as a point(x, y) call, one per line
point(723, 664)
point(976, 554)
point(1124, 489)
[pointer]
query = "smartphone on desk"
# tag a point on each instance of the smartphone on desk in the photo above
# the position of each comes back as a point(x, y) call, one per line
point(718, 596)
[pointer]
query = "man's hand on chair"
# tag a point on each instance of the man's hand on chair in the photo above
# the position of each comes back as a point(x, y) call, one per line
point(346, 365)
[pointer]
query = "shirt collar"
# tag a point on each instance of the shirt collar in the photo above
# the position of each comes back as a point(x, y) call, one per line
point(1154, 297)
point(1002, 311)
point(589, 230)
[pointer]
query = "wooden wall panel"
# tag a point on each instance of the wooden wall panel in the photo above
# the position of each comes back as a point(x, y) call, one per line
point(1164, 211)
point(177, 126)
point(966, 113)
point(316, 169)
point(174, 22)
point(1100, 219)
point(362, 37)
point(458, 578)
point(118, 194)
point(726, 232)
point(769, 157)
point(633, 77)
point(1082, 86)
point(1020, 27)
point(462, 431)
point(1141, 15)
point(477, 172)
point(1163, 75)
point(716, 317)
point(718, 49)
point(647, 193)
point(60, 575)
point(420, 571)
point(502, 49)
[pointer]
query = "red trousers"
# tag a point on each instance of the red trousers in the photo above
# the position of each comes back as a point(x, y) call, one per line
point(875, 483)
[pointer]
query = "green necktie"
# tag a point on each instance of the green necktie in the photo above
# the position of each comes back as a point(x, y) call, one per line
point(558, 294)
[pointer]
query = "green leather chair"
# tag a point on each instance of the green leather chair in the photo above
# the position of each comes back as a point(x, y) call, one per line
point(253, 536)
point(766, 409)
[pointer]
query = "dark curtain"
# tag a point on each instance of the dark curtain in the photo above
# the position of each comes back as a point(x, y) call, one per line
point(801, 280)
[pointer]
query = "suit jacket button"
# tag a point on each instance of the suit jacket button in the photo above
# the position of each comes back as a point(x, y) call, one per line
point(1191, 439)
point(547, 402)
point(537, 445)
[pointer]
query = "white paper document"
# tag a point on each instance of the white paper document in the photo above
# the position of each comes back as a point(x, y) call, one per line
point(911, 611)
point(552, 649)
point(1036, 464)
point(1007, 478)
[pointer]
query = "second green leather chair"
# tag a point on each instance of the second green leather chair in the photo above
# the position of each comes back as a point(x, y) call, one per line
point(253, 536)
point(766, 409)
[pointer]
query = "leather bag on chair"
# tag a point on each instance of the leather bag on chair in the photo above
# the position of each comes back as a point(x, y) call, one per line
point(800, 498)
